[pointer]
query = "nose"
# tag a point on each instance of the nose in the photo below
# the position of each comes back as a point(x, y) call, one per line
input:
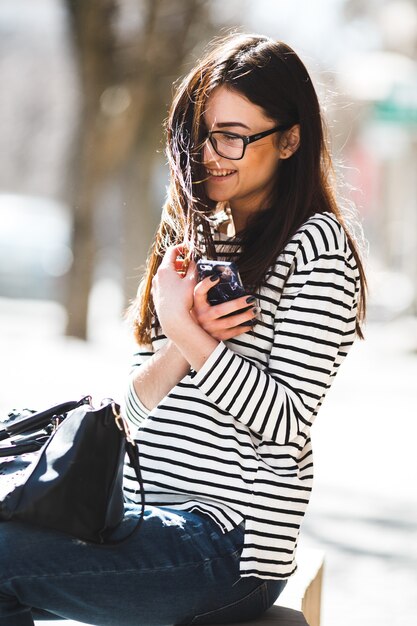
point(209, 153)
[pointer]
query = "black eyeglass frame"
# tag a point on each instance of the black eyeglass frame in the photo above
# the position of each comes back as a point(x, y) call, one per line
point(247, 139)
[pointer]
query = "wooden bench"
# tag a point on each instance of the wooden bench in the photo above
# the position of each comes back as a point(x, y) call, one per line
point(303, 590)
point(298, 605)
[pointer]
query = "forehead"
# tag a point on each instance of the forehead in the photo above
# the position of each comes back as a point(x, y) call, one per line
point(226, 105)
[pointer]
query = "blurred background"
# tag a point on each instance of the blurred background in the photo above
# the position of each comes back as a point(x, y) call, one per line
point(85, 87)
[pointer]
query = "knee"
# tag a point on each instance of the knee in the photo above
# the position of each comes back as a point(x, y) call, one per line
point(13, 548)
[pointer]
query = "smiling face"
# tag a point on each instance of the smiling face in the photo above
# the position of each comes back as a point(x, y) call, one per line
point(245, 184)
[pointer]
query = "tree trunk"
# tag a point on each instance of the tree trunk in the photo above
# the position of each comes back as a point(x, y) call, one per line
point(140, 216)
point(91, 31)
point(125, 84)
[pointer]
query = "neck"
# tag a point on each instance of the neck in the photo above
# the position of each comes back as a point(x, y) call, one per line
point(241, 214)
point(237, 225)
point(243, 208)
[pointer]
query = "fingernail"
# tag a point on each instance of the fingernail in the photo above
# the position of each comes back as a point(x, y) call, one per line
point(256, 310)
point(250, 299)
point(214, 277)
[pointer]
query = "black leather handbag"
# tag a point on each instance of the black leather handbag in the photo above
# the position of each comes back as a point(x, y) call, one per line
point(62, 468)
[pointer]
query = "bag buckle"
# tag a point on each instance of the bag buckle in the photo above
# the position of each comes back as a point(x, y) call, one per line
point(122, 424)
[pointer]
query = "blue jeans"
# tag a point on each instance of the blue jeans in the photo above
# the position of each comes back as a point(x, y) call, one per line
point(177, 569)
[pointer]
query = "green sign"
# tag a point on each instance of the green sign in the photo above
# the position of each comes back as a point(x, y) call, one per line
point(400, 107)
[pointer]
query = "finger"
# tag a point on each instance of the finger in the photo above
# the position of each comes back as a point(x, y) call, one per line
point(171, 254)
point(191, 272)
point(216, 326)
point(240, 318)
point(207, 283)
point(231, 333)
point(203, 287)
point(226, 323)
point(225, 308)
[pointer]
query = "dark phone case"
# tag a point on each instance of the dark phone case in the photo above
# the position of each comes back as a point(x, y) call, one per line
point(230, 285)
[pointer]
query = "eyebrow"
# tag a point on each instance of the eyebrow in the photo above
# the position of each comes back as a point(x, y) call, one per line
point(231, 125)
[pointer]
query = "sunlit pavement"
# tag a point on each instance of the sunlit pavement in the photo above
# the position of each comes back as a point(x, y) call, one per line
point(363, 511)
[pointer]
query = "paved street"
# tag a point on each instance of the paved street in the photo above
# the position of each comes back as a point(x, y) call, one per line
point(363, 512)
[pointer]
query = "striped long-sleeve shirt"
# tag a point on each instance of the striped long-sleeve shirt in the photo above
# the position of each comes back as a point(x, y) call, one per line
point(233, 440)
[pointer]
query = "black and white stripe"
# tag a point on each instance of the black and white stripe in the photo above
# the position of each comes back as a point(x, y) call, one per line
point(233, 440)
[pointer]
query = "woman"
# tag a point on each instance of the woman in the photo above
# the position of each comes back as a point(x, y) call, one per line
point(229, 406)
point(222, 397)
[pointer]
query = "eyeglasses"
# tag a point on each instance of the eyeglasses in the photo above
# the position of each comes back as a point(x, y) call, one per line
point(232, 146)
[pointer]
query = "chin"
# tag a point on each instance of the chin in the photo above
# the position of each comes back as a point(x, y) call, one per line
point(217, 196)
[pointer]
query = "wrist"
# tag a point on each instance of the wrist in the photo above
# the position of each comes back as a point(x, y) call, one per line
point(178, 327)
point(194, 343)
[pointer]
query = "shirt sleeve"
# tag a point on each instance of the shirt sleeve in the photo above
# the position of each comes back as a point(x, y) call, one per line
point(134, 411)
point(313, 327)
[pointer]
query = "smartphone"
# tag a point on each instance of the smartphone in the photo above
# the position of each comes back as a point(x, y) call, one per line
point(230, 284)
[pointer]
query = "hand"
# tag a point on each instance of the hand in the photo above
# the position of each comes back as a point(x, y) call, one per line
point(172, 293)
point(211, 318)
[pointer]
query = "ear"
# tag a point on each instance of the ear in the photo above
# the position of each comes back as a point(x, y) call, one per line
point(289, 142)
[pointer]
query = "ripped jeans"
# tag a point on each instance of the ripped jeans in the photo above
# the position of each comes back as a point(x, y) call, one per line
point(177, 569)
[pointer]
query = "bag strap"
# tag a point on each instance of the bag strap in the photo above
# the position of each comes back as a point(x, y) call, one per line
point(132, 452)
point(24, 447)
point(40, 419)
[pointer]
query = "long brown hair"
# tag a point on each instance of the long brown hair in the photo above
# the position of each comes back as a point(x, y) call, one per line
point(271, 75)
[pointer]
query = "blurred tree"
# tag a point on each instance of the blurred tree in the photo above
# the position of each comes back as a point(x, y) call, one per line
point(128, 54)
